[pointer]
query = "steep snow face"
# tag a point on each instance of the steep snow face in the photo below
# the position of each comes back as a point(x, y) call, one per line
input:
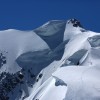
point(57, 61)
point(76, 43)
point(73, 27)
point(94, 41)
point(52, 32)
point(93, 58)
point(83, 82)
point(70, 82)
point(51, 28)
point(81, 51)
point(75, 58)
point(14, 43)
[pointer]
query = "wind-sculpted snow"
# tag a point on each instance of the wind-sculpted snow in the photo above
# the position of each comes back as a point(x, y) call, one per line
point(59, 82)
point(82, 82)
point(94, 41)
point(58, 61)
point(75, 58)
point(51, 28)
point(35, 60)
point(52, 32)
point(92, 58)
point(15, 43)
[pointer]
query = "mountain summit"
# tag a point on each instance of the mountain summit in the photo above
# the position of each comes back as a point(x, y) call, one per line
point(60, 60)
point(74, 22)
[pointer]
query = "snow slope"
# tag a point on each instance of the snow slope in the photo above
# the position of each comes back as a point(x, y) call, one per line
point(15, 43)
point(57, 61)
point(52, 32)
point(71, 82)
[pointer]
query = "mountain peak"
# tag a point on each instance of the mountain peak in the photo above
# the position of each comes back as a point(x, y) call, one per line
point(74, 22)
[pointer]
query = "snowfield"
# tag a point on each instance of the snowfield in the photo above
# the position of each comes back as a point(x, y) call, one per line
point(60, 60)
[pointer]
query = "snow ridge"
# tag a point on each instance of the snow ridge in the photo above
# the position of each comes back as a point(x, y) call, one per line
point(57, 61)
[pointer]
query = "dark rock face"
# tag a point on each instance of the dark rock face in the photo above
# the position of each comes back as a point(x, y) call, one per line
point(75, 22)
point(8, 82)
point(2, 59)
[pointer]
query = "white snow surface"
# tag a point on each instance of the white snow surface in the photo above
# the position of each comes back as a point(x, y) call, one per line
point(15, 43)
point(75, 76)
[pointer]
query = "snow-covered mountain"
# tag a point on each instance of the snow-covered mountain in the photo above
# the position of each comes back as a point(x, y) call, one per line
point(57, 61)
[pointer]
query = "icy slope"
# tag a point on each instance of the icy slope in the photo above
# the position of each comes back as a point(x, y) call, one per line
point(14, 43)
point(28, 53)
point(78, 82)
point(52, 32)
point(71, 82)
point(57, 61)
point(74, 82)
